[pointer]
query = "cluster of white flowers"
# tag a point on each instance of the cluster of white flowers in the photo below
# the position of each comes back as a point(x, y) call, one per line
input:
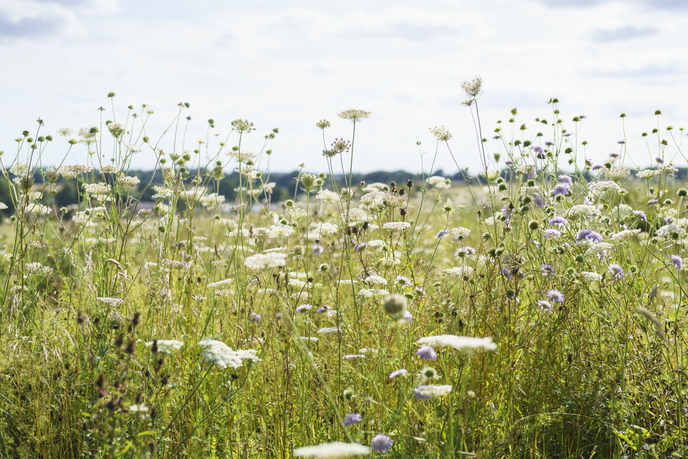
point(431, 391)
point(241, 156)
point(376, 280)
point(37, 268)
point(97, 188)
point(38, 209)
point(72, 170)
point(279, 230)
point(582, 210)
point(357, 215)
point(221, 283)
point(396, 225)
point(460, 271)
point(617, 173)
point(591, 277)
point(597, 188)
point(165, 345)
point(647, 174)
point(332, 450)
point(265, 261)
point(212, 199)
point(459, 342)
point(112, 302)
point(377, 201)
point(128, 181)
point(371, 293)
point(439, 182)
point(109, 169)
point(218, 353)
point(625, 234)
point(460, 232)
point(327, 196)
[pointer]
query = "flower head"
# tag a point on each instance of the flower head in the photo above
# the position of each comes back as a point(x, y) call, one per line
point(426, 352)
point(354, 115)
point(381, 443)
point(458, 342)
point(427, 392)
point(616, 271)
point(332, 450)
point(351, 419)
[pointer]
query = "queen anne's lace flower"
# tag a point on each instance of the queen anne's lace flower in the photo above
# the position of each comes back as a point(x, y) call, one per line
point(459, 342)
point(223, 356)
point(332, 450)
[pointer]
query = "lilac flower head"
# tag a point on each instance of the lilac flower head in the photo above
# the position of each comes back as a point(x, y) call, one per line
point(506, 272)
point(539, 201)
point(547, 270)
point(304, 308)
point(621, 142)
point(597, 167)
point(589, 236)
point(555, 295)
point(395, 373)
point(381, 443)
point(419, 291)
point(255, 317)
point(587, 202)
point(464, 252)
point(544, 305)
point(360, 247)
point(561, 188)
point(403, 281)
point(324, 308)
point(351, 419)
point(640, 214)
point(538, 151)
point(407, 315)
point(616, 271)
point(652, 202)
point(552, 233)
point(558, 221)
point(318, 249)
point(441, 234)
point(566, 179)
point(677, 261)
point(426, 352)
point(659, 160)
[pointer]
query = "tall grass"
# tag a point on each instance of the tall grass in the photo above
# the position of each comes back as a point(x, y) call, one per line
point(296, 317)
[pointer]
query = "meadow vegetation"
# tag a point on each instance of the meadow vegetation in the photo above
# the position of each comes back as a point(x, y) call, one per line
point(533, 309)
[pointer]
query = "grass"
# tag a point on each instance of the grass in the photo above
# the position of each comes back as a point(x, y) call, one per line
point(586, 310)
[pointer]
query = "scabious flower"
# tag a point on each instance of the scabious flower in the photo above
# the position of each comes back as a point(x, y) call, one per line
point(616, 271)
point(464, 252)
point(558, 221)
point(352, 419)
point(547, 270)
point(304, 308)
point(561, 189)
point(426, 352)
point(407, 315)
point(555, 295)
point(332, 450)
point(381, 443)
point(588, 235)
point(395, 373)
point(403, 281)
point(552, 233)
point(640, 214)
point(361, 247)
point(255, 317)
point(427, 392)
point(441, 234)
point(318, 249)
point(545, 305)
point(677, 261)
point(458, 342)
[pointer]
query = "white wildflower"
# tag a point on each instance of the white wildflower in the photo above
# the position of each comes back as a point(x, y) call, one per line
point(166, 345)
point(459, 342)
point(265, 260)
point(332, 450)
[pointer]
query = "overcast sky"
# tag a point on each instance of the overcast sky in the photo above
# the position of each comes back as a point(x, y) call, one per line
point(288, 64)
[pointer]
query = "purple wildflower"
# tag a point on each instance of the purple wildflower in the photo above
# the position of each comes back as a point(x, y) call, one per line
point(506, 272)
point(652, 202)
point(547, 270)
point(426, 352)
point(552, 233)
point(539, 201)
point(588, 235)
point(318, 249)
point(324, 308)
point(403, 281)
point(538, 151)
point(441, 234)
point(381, 443)
point(304, 308)
point(407, 315)
point(558, 221)
point(464, 252)
point(677, 261)
point(351, 419)
point(561, 189)
point(255, 317)
point(621, 142)
point(360, 247)
point(555, 295)
point(640, 214)
point(545, 305)
point(566, 179)
point(395, 373)
point(616, 271)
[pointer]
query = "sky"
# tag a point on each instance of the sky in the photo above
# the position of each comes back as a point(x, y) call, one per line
point(288, 64)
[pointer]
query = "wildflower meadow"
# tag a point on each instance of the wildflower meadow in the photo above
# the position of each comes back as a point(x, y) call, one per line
point(533, 308)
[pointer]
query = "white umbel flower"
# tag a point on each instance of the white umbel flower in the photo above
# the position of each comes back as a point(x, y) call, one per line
point(165, 345)
point(223, 356)
point(429, 391)
point(265, 260)
point(332, 450)
point(459, 342)
point(396, 226)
